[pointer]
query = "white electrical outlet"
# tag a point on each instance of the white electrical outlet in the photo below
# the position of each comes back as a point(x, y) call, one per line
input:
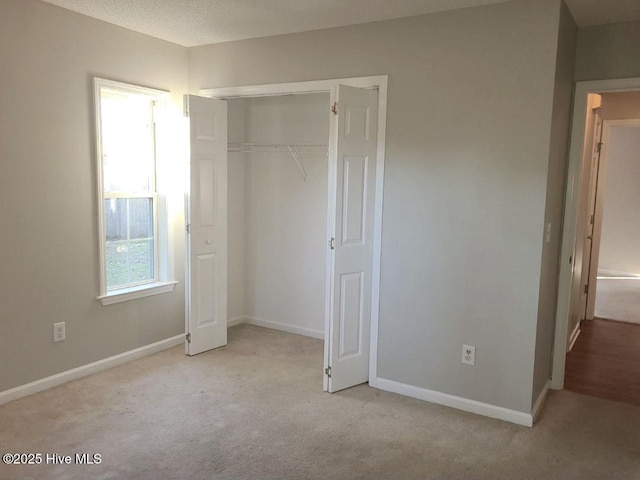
point(468, 354)
point(59, 331)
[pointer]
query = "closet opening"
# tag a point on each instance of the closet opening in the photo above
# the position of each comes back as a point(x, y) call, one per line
point(277, 211)
point(285, 217)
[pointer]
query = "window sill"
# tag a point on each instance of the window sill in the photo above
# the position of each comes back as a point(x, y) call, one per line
point(134, 293)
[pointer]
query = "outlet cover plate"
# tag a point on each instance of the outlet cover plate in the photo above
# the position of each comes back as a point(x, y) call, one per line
point(59, 331)
point(468, 355)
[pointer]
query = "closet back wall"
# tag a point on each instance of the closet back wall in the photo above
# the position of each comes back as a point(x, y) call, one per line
point(283, 236)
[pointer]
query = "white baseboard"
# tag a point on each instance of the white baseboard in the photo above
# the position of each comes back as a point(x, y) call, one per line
point(285, 327)
point(232, 322)
point(89, 369)
point(537, 407)
point(472, 406)
point(574, 336)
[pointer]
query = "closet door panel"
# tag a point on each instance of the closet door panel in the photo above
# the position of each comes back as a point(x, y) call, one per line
point(206, 292)
point(354, 151)
point(355, 200)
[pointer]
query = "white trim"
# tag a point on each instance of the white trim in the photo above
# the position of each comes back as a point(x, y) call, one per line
point(377, 228)
point(537, 407)
point(330, 263)
point(460, 403)
point(315, 86)
point(133, 293)
point(153, 95)
point(89, 369)
point(574, 336)
point(574, 173)
point(284, 327)
point(232, 322)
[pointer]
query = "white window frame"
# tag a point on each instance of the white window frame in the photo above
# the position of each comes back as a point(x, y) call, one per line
point(161, 283)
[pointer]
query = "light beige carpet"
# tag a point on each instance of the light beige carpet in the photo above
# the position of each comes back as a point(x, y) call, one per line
point(618, 299)
point(255, 410)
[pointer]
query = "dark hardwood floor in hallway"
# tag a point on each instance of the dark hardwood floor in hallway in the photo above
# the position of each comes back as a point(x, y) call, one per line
point(605, 361)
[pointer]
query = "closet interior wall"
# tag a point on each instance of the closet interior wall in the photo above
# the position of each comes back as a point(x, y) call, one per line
point(277, 220)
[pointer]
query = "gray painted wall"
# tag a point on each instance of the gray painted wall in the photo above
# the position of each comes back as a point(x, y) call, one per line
point(470, 104)
point(558, 157)
point(608, 51)
point(49, 255)
point(472, 94)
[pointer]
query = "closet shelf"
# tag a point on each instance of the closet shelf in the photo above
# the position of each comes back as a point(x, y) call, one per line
point(278, 147)
point(294, 149)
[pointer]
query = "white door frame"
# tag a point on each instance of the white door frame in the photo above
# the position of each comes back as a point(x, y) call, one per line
point(573, 187)
point(329, 86)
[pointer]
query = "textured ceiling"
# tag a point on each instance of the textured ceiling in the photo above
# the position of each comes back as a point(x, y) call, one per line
point(201, 22)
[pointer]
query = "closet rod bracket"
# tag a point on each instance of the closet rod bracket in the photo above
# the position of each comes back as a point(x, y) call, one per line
point(297, 160)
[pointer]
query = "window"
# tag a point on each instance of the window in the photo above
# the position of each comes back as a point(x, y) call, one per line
point(132, 251)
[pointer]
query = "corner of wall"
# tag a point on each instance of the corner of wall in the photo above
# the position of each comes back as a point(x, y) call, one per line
point(556, 186)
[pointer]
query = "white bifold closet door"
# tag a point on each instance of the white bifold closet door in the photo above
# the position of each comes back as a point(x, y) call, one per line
point(206, 307)
point(354, 144)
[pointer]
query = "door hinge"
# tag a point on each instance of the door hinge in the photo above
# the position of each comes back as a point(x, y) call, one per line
point(332, 243)
point(592, 219)
point(599, 147)
point(586, 289)
point(187, 227)
point(188, 338)
point(334, 108)
point(327, 372)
